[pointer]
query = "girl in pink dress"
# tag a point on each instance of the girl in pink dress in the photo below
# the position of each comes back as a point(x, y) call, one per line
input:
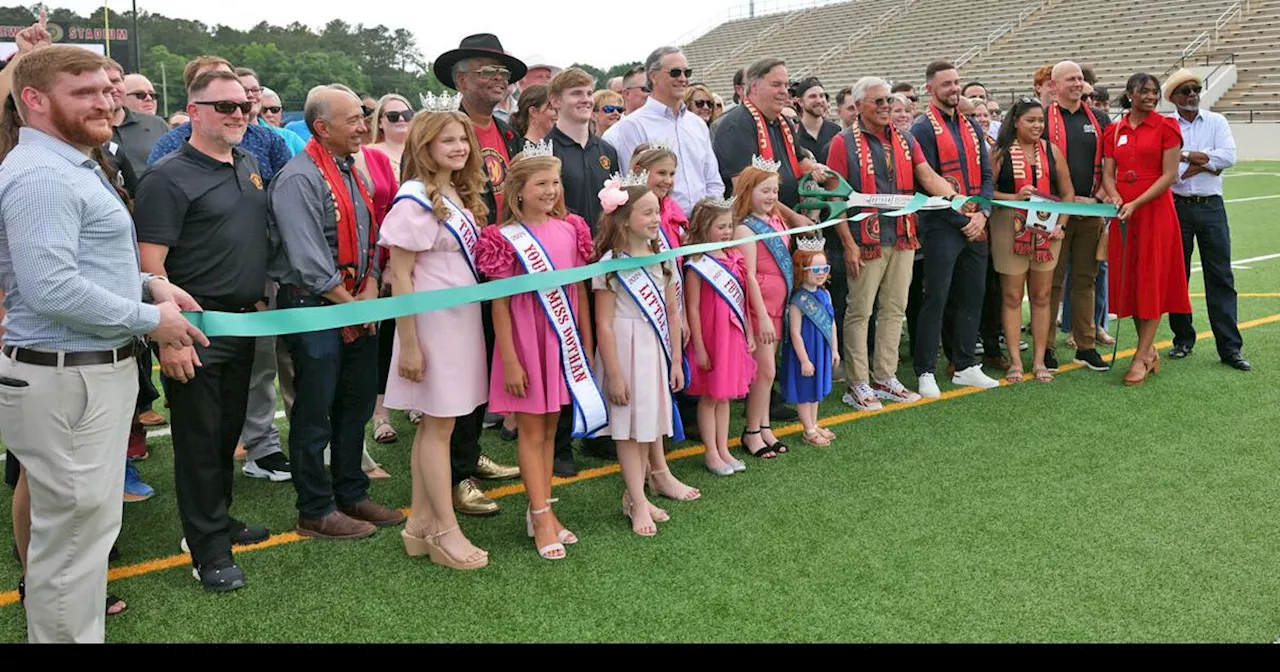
point(660, 162)
point(638, 326)
point(769, 286)
point(528, 378)
point(431, 233)
point(721, 339)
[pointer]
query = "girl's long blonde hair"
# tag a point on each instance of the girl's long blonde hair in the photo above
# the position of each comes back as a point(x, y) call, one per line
point(417, 164)
point(518, 175)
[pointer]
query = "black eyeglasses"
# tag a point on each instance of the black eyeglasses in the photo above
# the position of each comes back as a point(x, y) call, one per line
point(273, 109)
point(144, 95)
point(611, 109)
point(366, 110)
point(226, 106)
point(398, 116)
point(1188, 90)
point(703, 104)
point(676, 72)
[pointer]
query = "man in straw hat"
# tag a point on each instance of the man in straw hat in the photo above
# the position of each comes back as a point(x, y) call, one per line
point(1207, 149)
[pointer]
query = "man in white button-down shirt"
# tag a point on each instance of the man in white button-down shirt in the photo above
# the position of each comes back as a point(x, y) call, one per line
point(1208, 149)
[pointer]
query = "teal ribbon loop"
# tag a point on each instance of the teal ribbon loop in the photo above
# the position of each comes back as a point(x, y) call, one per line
point(814, 197)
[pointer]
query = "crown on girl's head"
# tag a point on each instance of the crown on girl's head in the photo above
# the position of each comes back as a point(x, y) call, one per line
point(720, 203)
point(441, 103)
point(811, 244)
point(765, 164)
point(662, 144)
point(639, 179)
point(537, 149)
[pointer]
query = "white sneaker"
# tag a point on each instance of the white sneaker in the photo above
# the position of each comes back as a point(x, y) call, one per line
point(929, 386)
point(974, 377)
point(253, 469)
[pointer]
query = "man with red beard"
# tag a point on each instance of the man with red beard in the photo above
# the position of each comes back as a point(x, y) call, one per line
point(199, 212)
point(67, 375)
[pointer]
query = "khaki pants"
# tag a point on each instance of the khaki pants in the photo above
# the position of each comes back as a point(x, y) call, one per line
point(69, 427)
point(1079, 252)
point(890, 277)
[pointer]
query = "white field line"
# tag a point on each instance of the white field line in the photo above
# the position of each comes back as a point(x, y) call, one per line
point(1251, 198)
point(1250, 174)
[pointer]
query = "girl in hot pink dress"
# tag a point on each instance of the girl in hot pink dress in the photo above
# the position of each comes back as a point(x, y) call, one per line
point(660, 162)
point(769, 286)
point(720, 345)
point(527, 378)
point(428, 231)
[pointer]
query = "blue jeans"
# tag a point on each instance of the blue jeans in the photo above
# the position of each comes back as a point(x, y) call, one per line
point(1206, 221)
point(336, 385)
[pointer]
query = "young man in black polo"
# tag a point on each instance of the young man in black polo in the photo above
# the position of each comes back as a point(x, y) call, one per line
point(586, 162)
point(202, 221)
point(816, 131)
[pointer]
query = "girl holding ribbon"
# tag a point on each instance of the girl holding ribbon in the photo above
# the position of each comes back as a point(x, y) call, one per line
point(807, 364)
point(638, 325)
point(769, 284)
point(544, 336)
point(721, 339)
point(432, 233)
point(659, 161)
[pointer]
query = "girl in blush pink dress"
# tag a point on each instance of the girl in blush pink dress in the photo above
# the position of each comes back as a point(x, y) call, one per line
point(720, 347)
point(768, 289)
point(527, 377)
point(438, 359)
point(660, 162)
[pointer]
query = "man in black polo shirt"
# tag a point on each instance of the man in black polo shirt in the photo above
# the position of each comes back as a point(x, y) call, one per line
point(202, 221)
point(586, 161)
point(1077, 130)
point(815, 130)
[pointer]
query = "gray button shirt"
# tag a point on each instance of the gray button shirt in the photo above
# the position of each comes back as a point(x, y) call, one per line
point(68, 257)
point(304, 230)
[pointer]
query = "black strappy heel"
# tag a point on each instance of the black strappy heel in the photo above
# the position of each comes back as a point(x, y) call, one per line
point(760, 454)
point(778, 446)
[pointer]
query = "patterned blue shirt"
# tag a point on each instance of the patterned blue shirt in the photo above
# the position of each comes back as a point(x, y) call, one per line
point(68, 256)
point(269, 149)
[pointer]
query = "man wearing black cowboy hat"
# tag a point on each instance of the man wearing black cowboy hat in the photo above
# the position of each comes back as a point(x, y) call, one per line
point(480, 69)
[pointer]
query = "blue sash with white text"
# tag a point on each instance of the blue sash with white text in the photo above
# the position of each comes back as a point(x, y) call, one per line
point(814, 309)
point(777, 248)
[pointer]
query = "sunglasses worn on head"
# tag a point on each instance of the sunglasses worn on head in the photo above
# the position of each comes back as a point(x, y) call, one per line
point(397, 116)
point(273, 109)
point(676, 72)
point(703, 104)
point(611, 109)
point(913, 98)
point(226, 106)
point(1188, 90)
point(825, 268)
point(491, 71)
point(145, 95)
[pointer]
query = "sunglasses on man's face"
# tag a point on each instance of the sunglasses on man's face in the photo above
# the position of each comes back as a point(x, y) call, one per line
point(226, 106)
point(491, 71)
point(145, 95)
point(611, 109)
point(676, 72)
point(1188, 90)
point(273, 109)
point(879, 102)
point(398, 116)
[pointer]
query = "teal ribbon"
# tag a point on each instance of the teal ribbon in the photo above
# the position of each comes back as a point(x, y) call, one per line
point(322, 318)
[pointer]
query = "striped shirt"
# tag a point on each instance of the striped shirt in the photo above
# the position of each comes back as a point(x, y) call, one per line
point(68, 256)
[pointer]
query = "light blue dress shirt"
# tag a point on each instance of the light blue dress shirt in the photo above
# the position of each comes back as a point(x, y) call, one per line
point(697, 172)
point(1210, 133)
point(68, 253)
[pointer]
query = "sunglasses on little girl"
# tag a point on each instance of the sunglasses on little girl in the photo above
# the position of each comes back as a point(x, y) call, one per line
point(825, 268)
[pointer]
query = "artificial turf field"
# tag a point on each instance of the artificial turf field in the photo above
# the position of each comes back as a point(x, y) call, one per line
point(1075, 511)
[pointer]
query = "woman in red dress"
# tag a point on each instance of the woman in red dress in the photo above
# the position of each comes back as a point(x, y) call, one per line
point(1140, 163)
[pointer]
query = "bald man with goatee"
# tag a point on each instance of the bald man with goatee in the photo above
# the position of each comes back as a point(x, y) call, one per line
point(1076, 129)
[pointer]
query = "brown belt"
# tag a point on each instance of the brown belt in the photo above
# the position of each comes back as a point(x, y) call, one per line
point(38, 358)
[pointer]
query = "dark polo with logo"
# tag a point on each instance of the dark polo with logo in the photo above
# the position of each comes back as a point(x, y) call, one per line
point(584, 170)
point(213, 218)
point(1082, 142)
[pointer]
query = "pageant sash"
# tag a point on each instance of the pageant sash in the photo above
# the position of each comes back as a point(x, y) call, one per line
point(777, 248)
point(817, 313)
point(653, 303)
point(589, 410)
point(664, 245)
point(726, 285)
point(460, 224)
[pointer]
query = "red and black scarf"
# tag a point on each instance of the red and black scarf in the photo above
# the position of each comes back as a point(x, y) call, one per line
point(897, 151)
point(767, 150)
point(966, 179)
point(1058, 136)
point(1027, 240)
point(348, 227)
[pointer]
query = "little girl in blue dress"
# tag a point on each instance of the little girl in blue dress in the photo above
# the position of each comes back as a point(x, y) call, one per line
point(812, 353)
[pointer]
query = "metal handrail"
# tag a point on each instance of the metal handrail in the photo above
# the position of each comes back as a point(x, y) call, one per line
point(1232, 12)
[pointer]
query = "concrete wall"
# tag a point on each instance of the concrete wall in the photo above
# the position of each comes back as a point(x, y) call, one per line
point(1259, 140)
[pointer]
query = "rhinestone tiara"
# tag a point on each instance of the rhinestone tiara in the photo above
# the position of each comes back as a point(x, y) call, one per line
point(765, 164)
point(442, 103)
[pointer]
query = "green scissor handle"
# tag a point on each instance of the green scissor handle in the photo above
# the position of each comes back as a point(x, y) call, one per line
point(814, 196)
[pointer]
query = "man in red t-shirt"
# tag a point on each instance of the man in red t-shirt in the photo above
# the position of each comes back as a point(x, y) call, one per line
point(480, 69)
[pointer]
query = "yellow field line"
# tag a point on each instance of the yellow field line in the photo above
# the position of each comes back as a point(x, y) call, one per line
point(184, 560)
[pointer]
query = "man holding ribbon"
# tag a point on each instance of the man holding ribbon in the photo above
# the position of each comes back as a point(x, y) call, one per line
point(322, 223)
point(877, 158)
point(954, 243)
